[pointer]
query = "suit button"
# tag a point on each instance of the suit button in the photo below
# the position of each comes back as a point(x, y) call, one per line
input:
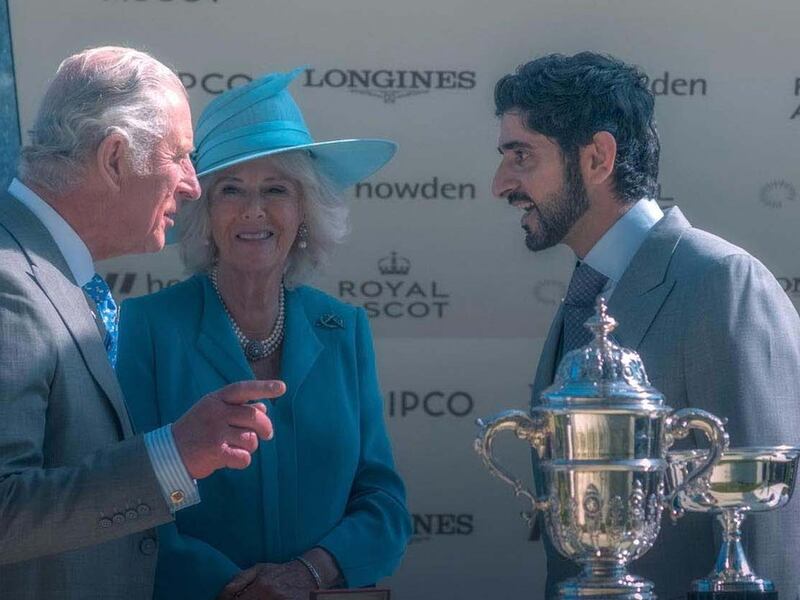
point(105, 522)
point(148, 546)
point(143, 509)
point(118, 518)
point(131, 514)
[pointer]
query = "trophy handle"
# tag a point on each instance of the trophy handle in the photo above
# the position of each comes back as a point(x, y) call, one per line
point(677, 426)
point(524, 428)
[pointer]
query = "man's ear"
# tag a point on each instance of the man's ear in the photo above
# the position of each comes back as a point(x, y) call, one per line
point(112, 160)
point(598, 158)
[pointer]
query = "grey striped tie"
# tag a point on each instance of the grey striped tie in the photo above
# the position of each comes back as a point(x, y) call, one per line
point(579, 305)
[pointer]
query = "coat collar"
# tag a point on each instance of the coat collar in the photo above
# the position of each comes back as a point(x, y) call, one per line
point(645, 286)
point(217, 342)
point(50, 272)
point(301, 346)
point(648, 268)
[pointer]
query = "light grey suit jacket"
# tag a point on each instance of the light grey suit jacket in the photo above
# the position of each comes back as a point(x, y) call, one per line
point(715, 331)
point(78, 495)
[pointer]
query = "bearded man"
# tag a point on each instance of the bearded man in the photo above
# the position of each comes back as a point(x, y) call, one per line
point(714, 328)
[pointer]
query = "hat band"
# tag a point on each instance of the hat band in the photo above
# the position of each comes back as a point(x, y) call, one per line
point(246, 131)
point(251, 145)
point(234, 101)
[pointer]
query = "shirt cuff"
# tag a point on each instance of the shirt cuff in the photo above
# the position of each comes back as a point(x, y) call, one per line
point(179, 489)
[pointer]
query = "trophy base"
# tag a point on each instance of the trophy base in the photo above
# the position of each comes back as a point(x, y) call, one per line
point(626, 587)
point(741, 595)
point(743, 587)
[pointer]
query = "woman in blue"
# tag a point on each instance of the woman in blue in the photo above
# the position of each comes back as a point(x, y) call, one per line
point(322, 504)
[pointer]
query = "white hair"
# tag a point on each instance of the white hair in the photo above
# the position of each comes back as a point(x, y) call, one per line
point(95, 93)
point(326, 216)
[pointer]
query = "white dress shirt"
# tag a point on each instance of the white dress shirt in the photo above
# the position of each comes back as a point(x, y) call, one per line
point(75, 252)
point(613, 252)
point(177, 486)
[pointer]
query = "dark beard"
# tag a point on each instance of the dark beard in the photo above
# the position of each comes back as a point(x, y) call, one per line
point(560, 212)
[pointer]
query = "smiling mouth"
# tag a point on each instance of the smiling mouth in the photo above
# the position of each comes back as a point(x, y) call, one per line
point(526, 205)
point(521, 202)
point(254, 236)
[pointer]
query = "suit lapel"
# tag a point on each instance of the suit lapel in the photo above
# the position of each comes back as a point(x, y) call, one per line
point(216, 340)
point(644, 286)
point(50, 272)
point(301, 346)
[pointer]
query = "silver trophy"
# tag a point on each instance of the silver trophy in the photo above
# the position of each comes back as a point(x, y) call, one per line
point(745, 480)
point(600, 438)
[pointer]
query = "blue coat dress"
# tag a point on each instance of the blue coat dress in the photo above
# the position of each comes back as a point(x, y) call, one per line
point(327, 478)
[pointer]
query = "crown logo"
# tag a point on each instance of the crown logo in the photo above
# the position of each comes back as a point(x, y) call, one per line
point(394, 265)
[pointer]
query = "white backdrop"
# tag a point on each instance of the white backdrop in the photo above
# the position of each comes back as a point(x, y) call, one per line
point(460, 336)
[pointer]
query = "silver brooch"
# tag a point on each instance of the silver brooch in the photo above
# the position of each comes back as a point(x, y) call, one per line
point(330, 321)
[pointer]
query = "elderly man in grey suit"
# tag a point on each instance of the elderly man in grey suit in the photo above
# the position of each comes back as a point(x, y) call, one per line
point(80, 492)
point(715, 330)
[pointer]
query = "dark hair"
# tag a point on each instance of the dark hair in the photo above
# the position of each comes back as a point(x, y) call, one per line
point(570, 98)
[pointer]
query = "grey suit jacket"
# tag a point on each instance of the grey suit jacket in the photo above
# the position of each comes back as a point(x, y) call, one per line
point(78, 495)
point(715, 331)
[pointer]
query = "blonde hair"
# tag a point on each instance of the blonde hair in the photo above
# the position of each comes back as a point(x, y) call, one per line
point(326, 216)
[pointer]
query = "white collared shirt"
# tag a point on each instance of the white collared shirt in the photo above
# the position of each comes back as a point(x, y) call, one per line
point(75, 252)
point(612, 254)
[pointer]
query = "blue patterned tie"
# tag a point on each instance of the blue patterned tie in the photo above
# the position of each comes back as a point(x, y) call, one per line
point(579, 305)
point(97, 289)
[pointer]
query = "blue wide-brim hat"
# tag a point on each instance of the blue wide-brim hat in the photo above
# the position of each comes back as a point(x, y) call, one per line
point(262, 119)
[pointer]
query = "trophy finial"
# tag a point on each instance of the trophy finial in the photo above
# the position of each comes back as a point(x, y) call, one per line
point(602, 370)
point(601, 324)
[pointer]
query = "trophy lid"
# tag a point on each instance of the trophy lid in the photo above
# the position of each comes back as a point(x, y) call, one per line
point(602, 374)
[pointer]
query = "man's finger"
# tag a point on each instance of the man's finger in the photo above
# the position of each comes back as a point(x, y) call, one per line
point(249, 417)
point(244, 439)
point(247, 391)
point(235, 458)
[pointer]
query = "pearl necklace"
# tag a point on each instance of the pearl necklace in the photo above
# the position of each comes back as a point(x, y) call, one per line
point(255, 349)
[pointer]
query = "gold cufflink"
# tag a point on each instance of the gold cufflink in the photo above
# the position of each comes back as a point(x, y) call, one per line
point(177, 496)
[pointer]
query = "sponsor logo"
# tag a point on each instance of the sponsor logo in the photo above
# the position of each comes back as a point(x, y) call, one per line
point(392, 296)
point(390, 85)
point(433, 189)
point(776, 193)
point(796, 112)
point(549, 291)
point(429, 526)
point(120, 284)
point(670, 85)
point(790, 285)
point(433, 404)
point(123, 285)
point(213, 83)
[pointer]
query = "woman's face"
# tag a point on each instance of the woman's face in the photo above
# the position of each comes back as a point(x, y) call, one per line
point(256, 210)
